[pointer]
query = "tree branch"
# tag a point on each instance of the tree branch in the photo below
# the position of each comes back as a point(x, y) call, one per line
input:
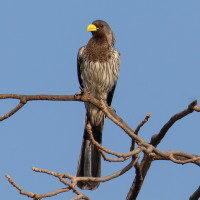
point(25, 98)
point(138, 129)
point(125, 156)
point(150, 151)
point(75, 179)
point(155, 140)
point(40, 196)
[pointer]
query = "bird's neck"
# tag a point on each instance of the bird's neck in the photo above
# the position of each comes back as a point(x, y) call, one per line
point(98, 49)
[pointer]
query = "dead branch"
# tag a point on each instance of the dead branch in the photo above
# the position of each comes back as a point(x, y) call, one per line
point(35, 196)
point(75, 179)
point(103, 149)
point(137, 183)
point(156, 139)
point(28, 194)
point(138, 129)
point(25, 98)
point(142, 123)
point(175, 156)
point(146, 147)
point(150, 150)
point(83, 97)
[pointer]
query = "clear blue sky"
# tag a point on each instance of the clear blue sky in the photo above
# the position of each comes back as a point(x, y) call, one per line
point(159, 43)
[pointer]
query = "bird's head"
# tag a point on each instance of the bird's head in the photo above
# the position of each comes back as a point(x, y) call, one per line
point(101, 29)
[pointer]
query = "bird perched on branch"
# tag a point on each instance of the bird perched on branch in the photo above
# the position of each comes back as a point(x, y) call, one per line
point(98, 66)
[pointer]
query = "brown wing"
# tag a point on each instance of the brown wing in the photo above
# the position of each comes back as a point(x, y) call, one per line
point(116, 64)
point(79, 64)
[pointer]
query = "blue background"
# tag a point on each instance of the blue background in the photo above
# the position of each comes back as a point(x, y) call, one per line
point(159, 42)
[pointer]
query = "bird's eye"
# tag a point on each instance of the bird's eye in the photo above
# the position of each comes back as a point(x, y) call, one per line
point(101, 25)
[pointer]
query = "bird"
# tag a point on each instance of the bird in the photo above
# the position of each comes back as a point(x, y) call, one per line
point(98, 65)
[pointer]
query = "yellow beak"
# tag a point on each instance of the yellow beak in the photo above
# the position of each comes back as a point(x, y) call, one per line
point(91, 27)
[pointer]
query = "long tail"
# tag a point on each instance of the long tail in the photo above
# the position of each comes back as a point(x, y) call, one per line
point(89, 164)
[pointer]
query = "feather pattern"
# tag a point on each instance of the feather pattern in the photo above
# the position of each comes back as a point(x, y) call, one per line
point(98, 78)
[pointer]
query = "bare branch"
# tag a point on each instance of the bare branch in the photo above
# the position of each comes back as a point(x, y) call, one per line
point(118, 121)
point(28, 194)
point(151, 153)
point(106, 178)
point(142, 123)
point(74, 180)
point(135, 188)
point(25, 98)
point(179, 157)
point(156, 139)
point(138, 129)
point(13, 111)
point(40, 196)
point(124, 155)
point(112, 159)
point(84, 97)
point(94, 179)
point(72, 186)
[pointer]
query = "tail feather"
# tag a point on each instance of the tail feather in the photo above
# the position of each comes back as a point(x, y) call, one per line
point(89, 164)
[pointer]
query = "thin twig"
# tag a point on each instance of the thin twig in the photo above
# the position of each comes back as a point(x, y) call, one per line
point(142, 123)
point(106, 178)
point(156, 139)
point(28, 194)
point(124, 155)
point(138, 129)
point(50, 194)
point(13, 111)
point(75, 179)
